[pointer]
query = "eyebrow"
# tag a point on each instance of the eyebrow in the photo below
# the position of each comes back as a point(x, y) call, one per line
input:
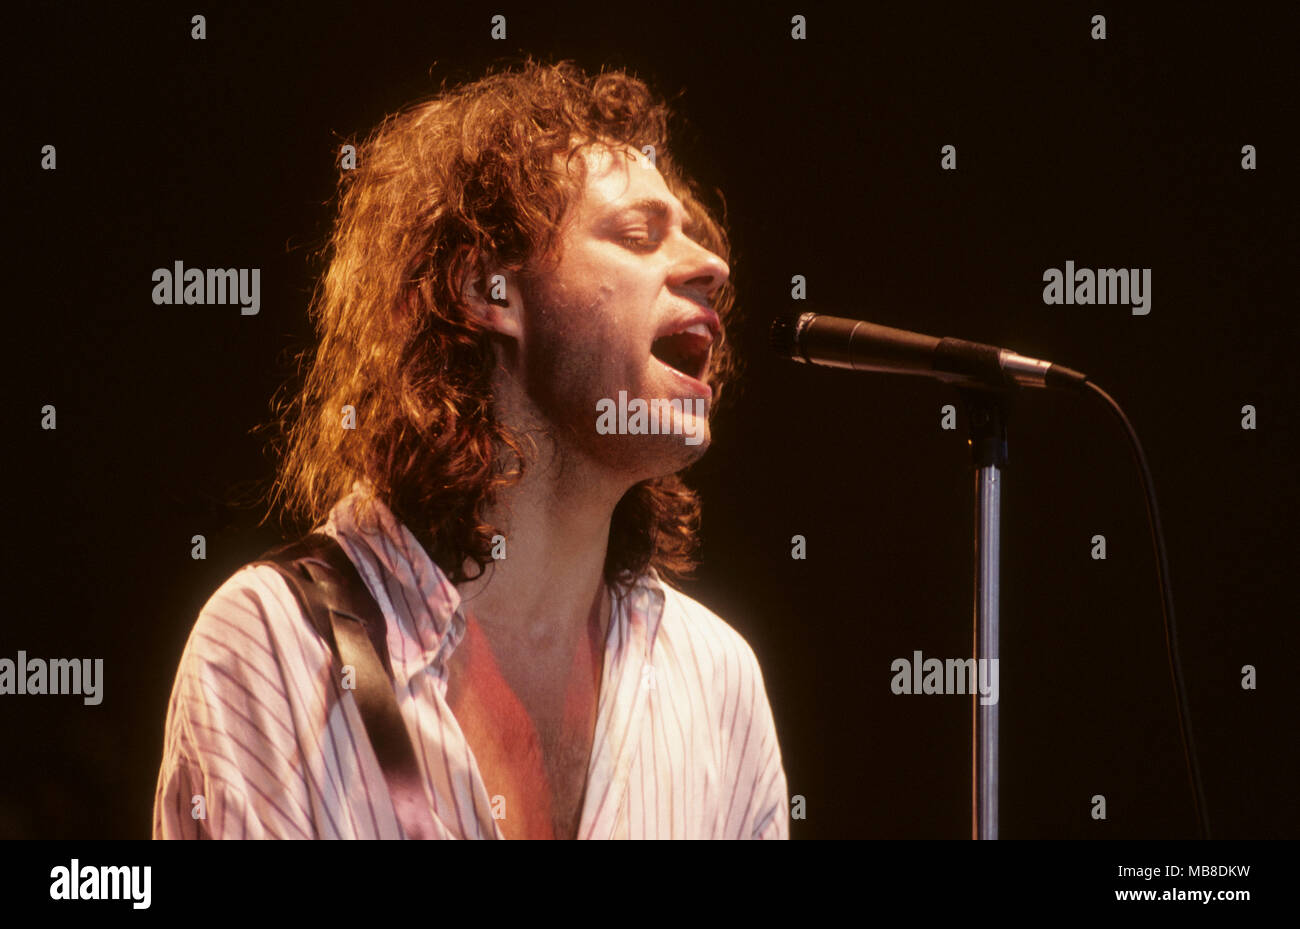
point(660, 209)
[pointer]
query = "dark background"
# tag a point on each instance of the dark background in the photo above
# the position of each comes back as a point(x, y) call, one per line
point(1116, 153)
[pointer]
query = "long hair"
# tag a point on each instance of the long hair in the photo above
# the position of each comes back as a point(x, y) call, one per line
point(439, 188)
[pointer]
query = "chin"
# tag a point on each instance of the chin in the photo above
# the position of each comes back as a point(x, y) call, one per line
point(646, 438)
point(643, 458)
point(677, 455)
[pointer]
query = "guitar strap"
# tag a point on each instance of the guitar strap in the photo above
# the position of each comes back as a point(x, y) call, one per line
point(335, 600)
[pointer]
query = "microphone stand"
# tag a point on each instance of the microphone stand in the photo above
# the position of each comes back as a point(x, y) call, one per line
point(986, 411)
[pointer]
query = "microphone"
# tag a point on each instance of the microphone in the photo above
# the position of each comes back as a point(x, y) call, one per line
point(835, 342)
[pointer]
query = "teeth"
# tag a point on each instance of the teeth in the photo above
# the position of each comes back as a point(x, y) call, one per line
point(698, 329)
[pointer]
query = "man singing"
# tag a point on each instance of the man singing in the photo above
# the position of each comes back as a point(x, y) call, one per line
point(509, 259)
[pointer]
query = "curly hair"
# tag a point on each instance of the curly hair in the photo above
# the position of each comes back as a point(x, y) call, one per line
point(439, 188)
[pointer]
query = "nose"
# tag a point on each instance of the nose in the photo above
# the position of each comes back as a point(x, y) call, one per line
point(699, 269)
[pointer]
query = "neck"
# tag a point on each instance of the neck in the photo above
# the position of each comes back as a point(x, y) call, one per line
point(546, 590)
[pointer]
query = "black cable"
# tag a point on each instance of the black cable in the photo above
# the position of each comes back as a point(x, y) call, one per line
point(1167, 603)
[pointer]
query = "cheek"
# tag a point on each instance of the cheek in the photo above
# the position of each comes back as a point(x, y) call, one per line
point(588, 330)
point(569, 362)
point(587, 335)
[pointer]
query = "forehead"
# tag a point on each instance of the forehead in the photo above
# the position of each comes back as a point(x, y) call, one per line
point(617, 176)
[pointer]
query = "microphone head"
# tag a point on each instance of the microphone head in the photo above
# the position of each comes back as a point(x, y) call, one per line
point(784, 335)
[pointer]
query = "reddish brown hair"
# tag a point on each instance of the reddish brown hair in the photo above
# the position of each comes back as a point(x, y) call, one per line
point(441, 187)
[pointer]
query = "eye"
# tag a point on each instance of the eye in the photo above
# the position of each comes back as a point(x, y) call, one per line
point(639, 243)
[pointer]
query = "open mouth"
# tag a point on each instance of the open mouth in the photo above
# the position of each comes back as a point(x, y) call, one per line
point(687, 351)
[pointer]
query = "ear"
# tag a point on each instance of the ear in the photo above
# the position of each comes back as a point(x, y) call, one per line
point(492, 297)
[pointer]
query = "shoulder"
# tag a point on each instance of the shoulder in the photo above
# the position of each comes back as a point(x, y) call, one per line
point(248, 681)
point(722, 667)
point(254, 606)
point(250, 645)
point(703, 640)
point(684, 615)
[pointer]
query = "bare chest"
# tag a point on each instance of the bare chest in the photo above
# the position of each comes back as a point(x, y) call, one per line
point(530, 727)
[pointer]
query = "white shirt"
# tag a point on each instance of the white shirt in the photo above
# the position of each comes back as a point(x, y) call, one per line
point(260, 729)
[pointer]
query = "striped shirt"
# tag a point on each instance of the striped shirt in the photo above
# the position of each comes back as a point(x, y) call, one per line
point(263, 742)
